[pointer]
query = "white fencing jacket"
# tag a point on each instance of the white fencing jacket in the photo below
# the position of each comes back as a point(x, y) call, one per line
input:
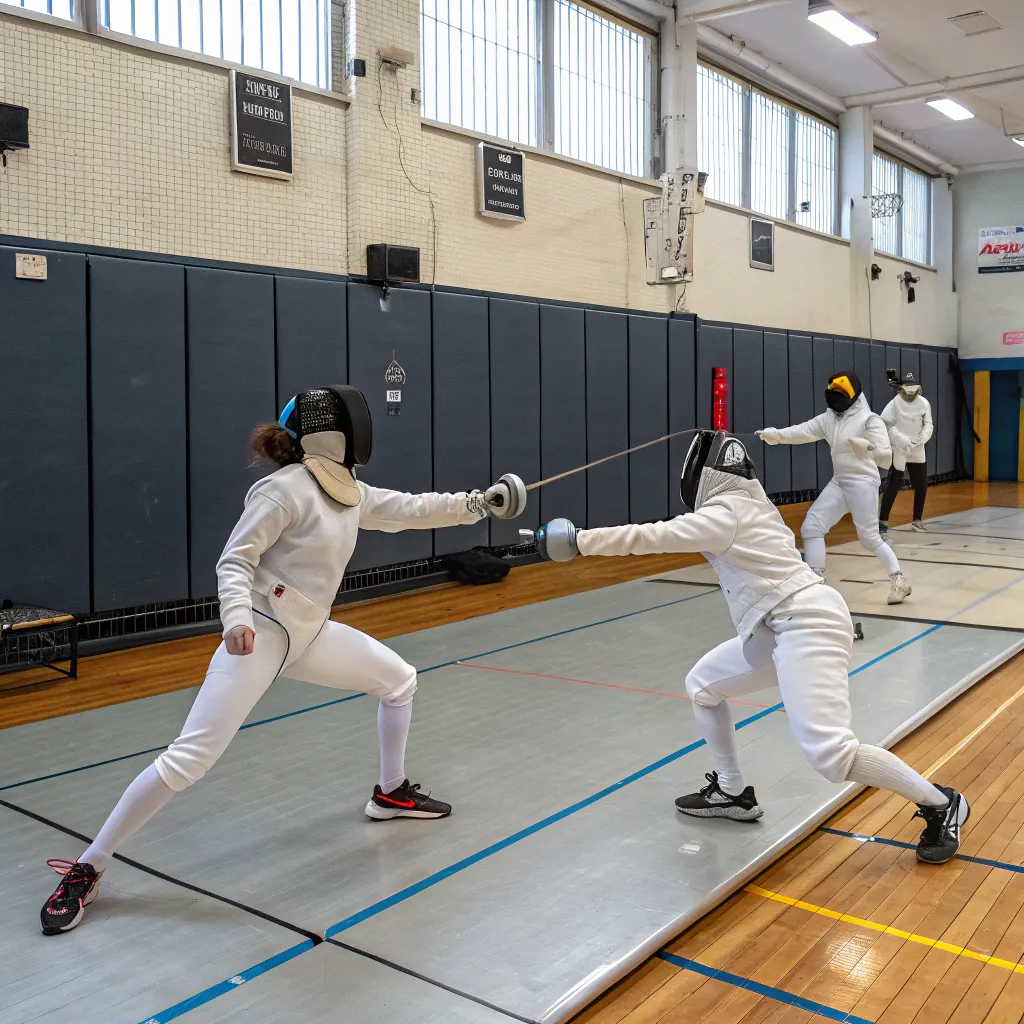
point(910, 426)
point(738, 530)
point(837, 429)
point(295, 538)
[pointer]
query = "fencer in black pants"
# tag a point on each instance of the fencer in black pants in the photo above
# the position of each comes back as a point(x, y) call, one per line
point(919, 479)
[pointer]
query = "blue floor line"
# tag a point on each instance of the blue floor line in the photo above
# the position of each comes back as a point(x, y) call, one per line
point(1016, 868)
point(778, 994)
point(356, 696)
point(211, 993)
point(489, 851)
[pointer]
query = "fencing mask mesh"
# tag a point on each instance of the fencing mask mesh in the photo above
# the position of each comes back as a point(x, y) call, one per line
point(714, 450)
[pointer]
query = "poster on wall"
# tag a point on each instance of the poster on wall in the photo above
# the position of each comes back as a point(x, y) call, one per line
point(261, 126)
point(762, 244)
point(1001, 250)
point(668, 226)
point(1013, 337)
point(501, 185)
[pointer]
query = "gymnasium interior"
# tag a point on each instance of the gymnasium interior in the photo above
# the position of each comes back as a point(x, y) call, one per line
point(547, 238)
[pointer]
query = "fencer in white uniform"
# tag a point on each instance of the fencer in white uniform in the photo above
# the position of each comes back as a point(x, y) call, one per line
point(277, 578)
point(859, 444)
point(908, 418)
point(794, 632)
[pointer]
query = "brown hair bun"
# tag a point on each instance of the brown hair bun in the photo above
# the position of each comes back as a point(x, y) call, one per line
point(273, 443)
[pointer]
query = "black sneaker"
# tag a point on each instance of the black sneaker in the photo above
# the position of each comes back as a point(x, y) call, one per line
point(65, 909)
point(940, 839)
point(405, 802)
point(713, 802)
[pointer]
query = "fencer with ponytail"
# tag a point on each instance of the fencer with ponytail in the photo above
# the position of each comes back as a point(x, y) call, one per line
point(272, 442)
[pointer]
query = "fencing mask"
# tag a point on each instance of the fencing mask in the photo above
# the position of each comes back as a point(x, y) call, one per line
point(843, 390)
point(332, 432)
point(908, 387)
point(713, 450)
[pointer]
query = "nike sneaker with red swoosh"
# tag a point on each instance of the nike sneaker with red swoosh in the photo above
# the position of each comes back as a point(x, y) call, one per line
point(405, 802)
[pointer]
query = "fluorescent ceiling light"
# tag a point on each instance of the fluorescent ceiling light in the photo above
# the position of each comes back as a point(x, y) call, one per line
point(842, 27)
point(1019, 140)
point(951, 109)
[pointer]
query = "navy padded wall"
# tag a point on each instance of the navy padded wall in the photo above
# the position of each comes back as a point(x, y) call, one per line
point(139, 440)
point(563, 414)
point(312, 334)
point(824, 367)
point(844, 357)
point(44, 488)
point(881, 393)
point(682, 405)
point(648, 417)
point(778, 471)
point(230, 390)
point(892, 359)
point(862, 365)
point(607, 418)
point(515, 404)
point(462, 411)
point(748, 390)
point(801, 408)
point(930, 383)
point(945, 418)
point(402, 445)
point(910, 361)
point(714, 348)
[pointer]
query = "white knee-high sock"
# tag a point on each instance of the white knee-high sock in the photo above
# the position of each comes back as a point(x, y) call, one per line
point(141, 800)
point(716, 725)
point(887, 557)
point(393, 732)
point(814, 552)
point(874, 766)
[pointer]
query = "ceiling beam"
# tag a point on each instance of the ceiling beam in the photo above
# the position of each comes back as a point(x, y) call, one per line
point(708, 10)
point(929, 90)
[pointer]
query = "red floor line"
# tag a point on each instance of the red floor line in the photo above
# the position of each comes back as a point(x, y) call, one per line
point(591, 682)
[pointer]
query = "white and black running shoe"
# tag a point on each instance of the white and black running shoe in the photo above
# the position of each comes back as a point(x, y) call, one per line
point(65, 909)
point(940, 839)
point(405, 802)
point(713, 802)
point(918, 527)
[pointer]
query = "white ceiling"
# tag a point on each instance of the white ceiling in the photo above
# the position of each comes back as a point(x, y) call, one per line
point(915, 44)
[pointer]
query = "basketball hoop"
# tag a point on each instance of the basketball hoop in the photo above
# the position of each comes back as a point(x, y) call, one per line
point(885, 205)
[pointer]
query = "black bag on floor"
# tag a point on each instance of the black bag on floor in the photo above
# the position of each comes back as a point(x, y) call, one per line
point(477, 566)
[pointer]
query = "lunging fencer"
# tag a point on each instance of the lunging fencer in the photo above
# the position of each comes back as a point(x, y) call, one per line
point(859, 444)
point(908, 418)
point(277, 579)
point(794, 632)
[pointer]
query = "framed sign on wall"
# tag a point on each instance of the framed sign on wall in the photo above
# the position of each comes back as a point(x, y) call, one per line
point(261, 126)
point(762, 244)
point(501, 186)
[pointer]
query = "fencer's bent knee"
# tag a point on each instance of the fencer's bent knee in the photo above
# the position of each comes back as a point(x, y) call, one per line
point(183, 764)
point(833, 758)
point(698, 694)
point(403, 691)
point(811, 528)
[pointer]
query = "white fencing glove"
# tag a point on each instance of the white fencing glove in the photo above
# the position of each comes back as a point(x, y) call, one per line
point(506, 499)
point(556, 541)
point(900, 441)
point(770, 435)
point(861, 446)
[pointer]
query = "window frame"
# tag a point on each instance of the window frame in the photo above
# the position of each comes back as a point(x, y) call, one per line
point(546, 90)
point(747, 156)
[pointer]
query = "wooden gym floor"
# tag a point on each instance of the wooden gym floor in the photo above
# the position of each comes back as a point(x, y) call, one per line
point(842, 921)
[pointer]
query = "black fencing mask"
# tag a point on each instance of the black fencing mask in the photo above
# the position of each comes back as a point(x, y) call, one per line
point(712, 450)
point(332, 432)
point(843, 390)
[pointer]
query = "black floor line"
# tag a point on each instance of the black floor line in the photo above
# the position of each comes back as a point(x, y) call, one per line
point(430, 981)
point(317, 939)
point(930, 561)
point(946, 533)
point(685, 583)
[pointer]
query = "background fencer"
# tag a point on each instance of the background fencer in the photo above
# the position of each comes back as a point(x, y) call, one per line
point(859, 444)
point(277, 579)
point(794, 632)
point(908, 418)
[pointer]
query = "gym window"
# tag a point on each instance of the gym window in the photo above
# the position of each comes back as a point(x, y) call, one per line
point(764, 155)
point(63, 9)
point(285, 37)
point(554, 74)
point(908, 232)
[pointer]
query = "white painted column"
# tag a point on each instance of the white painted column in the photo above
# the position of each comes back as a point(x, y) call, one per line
point(856, 146)
point(947, 321)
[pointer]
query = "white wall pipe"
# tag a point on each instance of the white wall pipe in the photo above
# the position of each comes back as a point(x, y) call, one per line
point(910, 93)
point(726, 10)
point(913, 150)
point(651, 7)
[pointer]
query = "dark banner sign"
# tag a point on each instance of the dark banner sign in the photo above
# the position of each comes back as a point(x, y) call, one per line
point(502, 188)
point(261, 125)
point(762, 244)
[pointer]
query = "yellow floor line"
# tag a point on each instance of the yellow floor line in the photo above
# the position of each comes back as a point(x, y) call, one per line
point(922, 940)
point(949, 755)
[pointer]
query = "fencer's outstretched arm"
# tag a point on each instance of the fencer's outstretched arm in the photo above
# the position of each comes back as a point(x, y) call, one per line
point(394, 511)
point(799, 433)
point(711, 528)
point(259, 527)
